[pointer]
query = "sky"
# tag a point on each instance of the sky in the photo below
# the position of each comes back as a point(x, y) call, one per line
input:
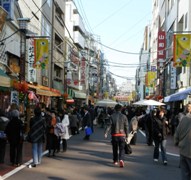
point(120, 26)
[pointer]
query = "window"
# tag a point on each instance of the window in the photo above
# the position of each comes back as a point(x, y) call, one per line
point(49, 3)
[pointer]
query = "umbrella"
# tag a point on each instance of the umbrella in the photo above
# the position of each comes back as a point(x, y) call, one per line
point(106, 103)
point(149, 102)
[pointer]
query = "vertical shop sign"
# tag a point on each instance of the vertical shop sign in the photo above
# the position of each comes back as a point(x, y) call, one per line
point(161, 46)
point(173, 77)
point(31, 69)
point(83, 71)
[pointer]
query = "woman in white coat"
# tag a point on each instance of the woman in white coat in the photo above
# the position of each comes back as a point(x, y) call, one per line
point(66, 135)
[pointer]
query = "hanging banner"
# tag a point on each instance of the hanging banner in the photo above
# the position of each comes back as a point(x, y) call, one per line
point(30, 58)
point(41, 53)
point(182, 47)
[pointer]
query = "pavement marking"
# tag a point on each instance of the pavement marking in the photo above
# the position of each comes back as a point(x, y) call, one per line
point(171, 154)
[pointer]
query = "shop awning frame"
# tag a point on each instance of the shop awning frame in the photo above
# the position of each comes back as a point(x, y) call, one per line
point(181, 95)
point(79, 95)
point(45, 91)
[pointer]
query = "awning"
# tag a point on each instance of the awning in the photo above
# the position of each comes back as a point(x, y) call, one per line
point(178, 96)
point(5, 79)
point(79, 95)
point(45, 91)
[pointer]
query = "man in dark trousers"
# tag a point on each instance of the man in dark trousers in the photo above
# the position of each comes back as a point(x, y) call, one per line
point(86, 122)
point(182, 138)
point(118, 125)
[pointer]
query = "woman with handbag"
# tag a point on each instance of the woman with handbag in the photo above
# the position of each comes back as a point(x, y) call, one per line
point(160, 125)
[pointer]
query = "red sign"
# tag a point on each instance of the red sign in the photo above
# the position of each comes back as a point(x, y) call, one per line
point(83, 70)
point(161, 46)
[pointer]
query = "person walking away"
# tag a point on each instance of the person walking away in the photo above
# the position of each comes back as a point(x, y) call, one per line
point(74, 122)
point(160, 125)
point(37, 136)
point(66, 135)
point(119, 131)
point(148, 128)
point(14, 132)
point(86, 121)
point(3, 139)
point(182, 138)
point(51, 137)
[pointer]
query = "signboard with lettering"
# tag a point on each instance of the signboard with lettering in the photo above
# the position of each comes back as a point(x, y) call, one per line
point(161, 46)
point(31, 60)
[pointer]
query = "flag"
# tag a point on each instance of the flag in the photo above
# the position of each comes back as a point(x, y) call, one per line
point(182, 47)
point(3, 15)
point(41, 53)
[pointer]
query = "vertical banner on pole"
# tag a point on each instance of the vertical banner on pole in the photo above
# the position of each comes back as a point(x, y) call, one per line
point(41, 53)
point(182, 47)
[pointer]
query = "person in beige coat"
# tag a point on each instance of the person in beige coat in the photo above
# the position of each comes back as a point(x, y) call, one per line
point(182, 138)
point(66, 135)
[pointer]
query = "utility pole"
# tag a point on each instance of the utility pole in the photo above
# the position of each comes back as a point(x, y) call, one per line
point(88, 76)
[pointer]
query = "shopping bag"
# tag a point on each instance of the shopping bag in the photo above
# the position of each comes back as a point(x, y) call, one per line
point(88, 130)
point(128, 149)
point(130, 136)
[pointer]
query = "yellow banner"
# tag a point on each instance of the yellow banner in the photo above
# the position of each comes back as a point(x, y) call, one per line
point(41, 53)
point(182, 47)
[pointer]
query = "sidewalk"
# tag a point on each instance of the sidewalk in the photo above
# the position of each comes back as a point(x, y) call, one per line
point(27, 155)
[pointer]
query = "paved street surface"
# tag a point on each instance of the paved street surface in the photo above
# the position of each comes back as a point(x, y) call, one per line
point(91, 160)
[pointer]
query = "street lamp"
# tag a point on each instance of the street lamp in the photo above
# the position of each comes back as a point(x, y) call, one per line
point(23, 25)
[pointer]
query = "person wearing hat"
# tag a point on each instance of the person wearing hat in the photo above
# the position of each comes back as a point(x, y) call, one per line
point(118, 125)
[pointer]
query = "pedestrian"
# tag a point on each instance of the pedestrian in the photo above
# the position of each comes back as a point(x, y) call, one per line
point(134, 127)
point(182, 138)
point(3, 139)
point(66, 135)
point(119, 132)
point(74, 122)
point(148, 128)
point(14, 132)
point(86, 122)
point(160, 125)
point(52, 140)
point(37, 136)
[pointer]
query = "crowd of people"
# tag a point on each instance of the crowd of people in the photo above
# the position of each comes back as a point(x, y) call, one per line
point(54, 128)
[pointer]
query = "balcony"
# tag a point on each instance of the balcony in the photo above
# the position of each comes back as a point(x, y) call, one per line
point(79, 23)
point(79, 39)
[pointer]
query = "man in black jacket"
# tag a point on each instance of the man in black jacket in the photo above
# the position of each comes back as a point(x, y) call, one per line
point(119, 131)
